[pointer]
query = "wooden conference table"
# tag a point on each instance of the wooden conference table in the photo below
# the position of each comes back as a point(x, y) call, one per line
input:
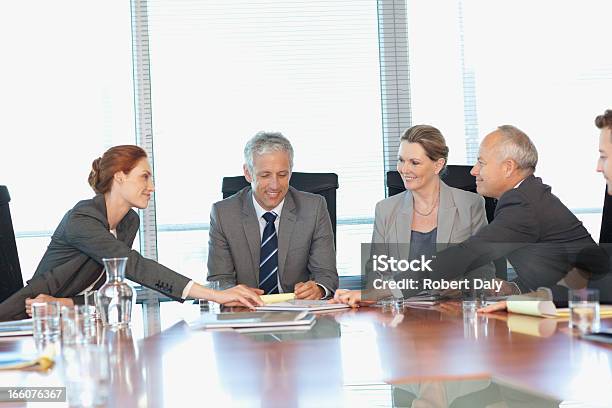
point(365, 357)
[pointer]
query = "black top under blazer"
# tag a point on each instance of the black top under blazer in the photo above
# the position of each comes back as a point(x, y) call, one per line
point(73, 260)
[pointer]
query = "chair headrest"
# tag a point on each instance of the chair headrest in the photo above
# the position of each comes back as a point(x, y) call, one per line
point(4, 195)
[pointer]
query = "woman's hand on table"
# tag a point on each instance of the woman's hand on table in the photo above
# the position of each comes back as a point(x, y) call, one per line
point(350, 297)
point(239, 295)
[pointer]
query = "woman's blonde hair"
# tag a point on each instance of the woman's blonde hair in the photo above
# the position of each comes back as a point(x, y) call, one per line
point(430, 139)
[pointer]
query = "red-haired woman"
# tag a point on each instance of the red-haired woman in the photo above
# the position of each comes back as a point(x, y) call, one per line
point(105, 227)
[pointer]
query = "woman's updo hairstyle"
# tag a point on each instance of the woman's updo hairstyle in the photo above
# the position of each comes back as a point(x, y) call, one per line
point(119, 158)
point(430, 139)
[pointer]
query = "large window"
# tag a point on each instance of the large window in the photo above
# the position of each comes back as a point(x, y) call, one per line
point(541, 66)
point(223, 70)
point(66, 82)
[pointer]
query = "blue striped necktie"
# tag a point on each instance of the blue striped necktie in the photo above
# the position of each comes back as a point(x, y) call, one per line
point(268, 258)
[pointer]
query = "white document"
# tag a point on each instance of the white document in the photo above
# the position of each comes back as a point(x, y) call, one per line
point(252, 319)
point(16, 328)
point(305, 305)
point(276, 329)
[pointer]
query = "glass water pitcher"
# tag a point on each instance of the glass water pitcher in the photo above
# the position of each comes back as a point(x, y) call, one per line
point(115, 296)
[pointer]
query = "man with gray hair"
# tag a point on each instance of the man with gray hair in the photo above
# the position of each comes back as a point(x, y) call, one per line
point(271, 236)
point(532, 228)
point(506, 158)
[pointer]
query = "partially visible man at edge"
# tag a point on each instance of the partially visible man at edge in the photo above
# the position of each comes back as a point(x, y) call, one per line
point(604, 166)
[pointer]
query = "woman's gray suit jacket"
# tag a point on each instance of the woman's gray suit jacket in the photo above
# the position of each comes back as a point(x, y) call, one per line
point(460, 215)
point(73, 260)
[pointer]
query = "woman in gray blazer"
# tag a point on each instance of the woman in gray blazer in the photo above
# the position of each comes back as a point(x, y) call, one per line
point(429, 212)
point(105, 227)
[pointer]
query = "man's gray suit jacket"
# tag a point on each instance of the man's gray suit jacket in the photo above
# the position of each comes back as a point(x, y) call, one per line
point(305, 241)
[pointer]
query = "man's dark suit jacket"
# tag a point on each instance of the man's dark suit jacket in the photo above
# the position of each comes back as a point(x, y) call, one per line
point(73, 260)
point(535, 231)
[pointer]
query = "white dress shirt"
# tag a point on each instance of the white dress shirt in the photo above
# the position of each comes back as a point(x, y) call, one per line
point(519, 183)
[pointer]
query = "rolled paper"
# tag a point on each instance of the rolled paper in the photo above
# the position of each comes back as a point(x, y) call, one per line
point(541, 308)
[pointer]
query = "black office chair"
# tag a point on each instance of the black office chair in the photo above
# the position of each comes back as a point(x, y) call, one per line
point(459, 177)
point(324, 184)
point(10, 271)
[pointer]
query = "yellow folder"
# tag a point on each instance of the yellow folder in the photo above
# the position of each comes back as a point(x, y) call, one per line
point(43, 362)
point(281, 297)
point(604, 311)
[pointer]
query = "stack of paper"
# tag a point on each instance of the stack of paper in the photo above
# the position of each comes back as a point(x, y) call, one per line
point(16, 328)
point(266, 321)
point(424, 299)
point(303, 305)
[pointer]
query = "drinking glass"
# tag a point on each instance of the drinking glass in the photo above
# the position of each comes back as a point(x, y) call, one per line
point(78, 324)
point(208, 306)
point(470, 306)
point(584, 310)
point(90, 300)
point(46, 322)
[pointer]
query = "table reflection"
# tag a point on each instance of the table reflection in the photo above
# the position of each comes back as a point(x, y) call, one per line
point(325, 327)
point(531, 326)
point(125, 370)
point(369, 356)
point(472, 393)
point(475, 325)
